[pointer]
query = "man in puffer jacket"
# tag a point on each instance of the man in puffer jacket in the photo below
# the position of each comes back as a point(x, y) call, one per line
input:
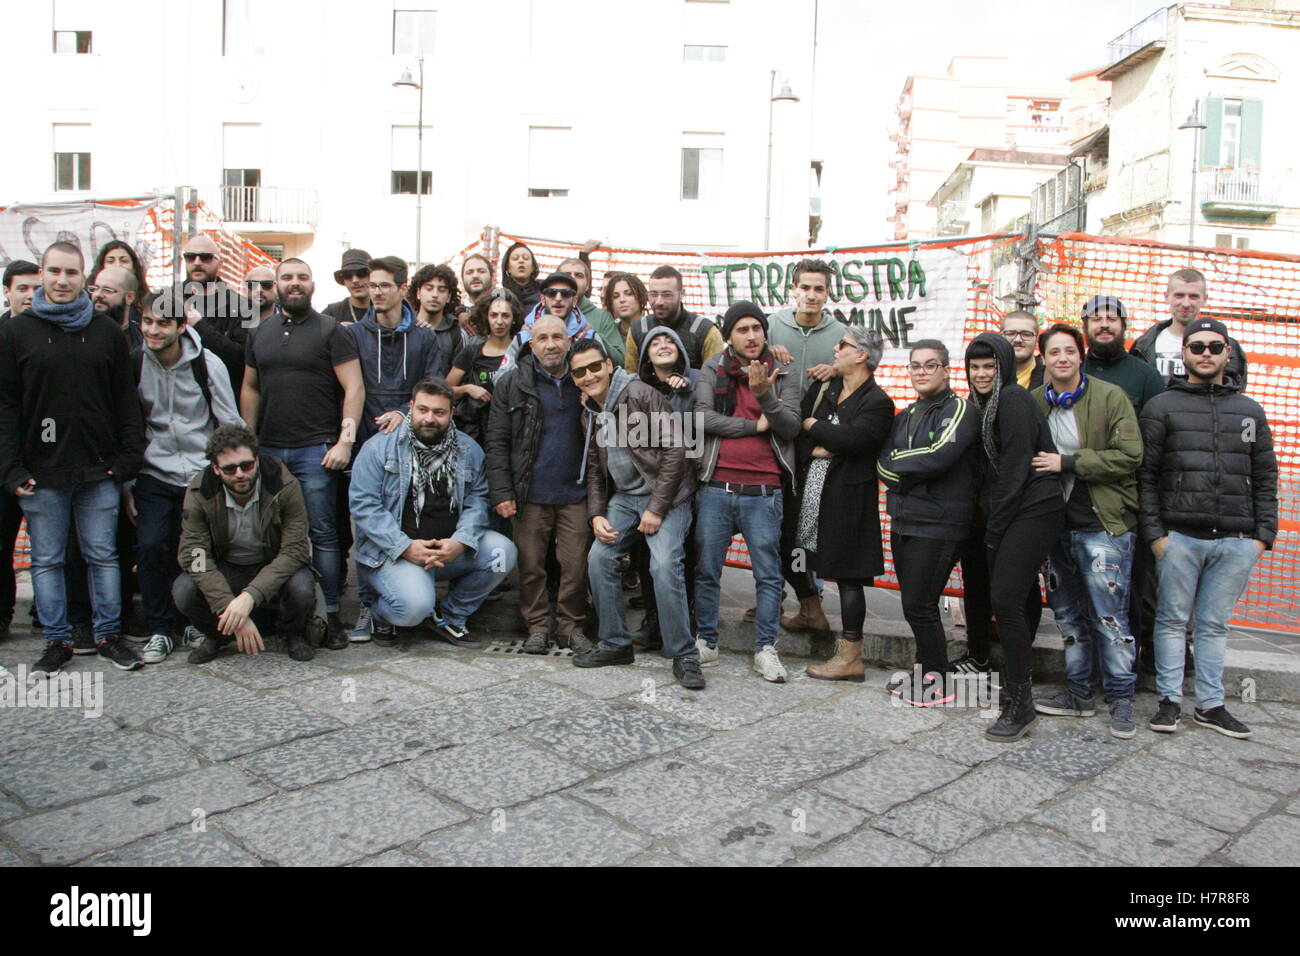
point(1208, 509)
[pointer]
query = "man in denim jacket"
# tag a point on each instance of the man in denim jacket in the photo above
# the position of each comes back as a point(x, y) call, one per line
point(419, 498)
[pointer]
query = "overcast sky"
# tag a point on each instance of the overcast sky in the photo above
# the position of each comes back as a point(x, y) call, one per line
point(867, 49)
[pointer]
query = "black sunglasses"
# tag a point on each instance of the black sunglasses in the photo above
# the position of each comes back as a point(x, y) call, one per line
point(1198, 348)
point(266, 284)
point(203, 256)
point(559, 293)
point(582, 371)
point(248, 466)
point(358, 274)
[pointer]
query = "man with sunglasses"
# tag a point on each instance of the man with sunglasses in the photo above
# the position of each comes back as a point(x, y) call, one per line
point(244, 548)
point(354, 275)
point(1208, 510)
point(259, 285)
point(558, 298)
point(219, 314)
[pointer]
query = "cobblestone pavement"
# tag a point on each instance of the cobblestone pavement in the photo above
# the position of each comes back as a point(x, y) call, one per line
point(428, 754)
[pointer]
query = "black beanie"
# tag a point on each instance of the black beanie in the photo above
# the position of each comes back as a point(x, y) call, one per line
point(741, 310)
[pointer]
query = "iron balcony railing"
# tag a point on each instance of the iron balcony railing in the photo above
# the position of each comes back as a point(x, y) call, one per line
point(1242, 187)
point(263, 205)
point(1154, 27)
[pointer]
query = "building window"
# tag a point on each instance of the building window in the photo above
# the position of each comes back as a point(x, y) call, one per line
point(1233, 133)
point(71, 156)
point(72, 22)
point(412, 33)
point(703, 54)
point(549, 152)
point(407, 162)
point(1226, 240)
point(243, 150)
point(71, 41)
point(702, 167)
point(239, 36)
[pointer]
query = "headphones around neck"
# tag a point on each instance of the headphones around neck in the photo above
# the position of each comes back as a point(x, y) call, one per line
point(1067, 400)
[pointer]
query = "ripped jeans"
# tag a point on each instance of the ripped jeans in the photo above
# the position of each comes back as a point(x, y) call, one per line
point(1088, 579)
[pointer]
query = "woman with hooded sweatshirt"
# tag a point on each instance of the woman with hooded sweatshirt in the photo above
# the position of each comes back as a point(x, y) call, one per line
point(1025, 513)
point(519, 275)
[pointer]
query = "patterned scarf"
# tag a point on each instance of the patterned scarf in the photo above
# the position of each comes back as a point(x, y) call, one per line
point(731, 374)
point(434, 465)
point(988, 422)
point(71, 317)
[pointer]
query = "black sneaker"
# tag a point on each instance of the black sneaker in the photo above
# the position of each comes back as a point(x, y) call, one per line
point(300, 649)
point(538, 642)
point(336, 635)
point(207, 649)
point(687, 672)
point(124, 658)
point(457, 634)
point(649, 636)
point(604, 657)
point(1166, 719)
point(382, 633)
point(1218, 718)
point(83, 641)
point(52, 661)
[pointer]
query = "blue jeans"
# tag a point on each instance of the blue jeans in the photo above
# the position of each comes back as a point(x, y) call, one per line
point(1088, 579)
point(667, 565)
point(158, 535)
point(320, 491)
point(758, 518)
point(405, 590)
point(49, 513)
point(1205, 577)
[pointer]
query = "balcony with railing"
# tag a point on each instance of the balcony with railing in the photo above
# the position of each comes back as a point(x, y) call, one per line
point(1137, 44)
point(1242, 194)
point(263, 209)
point(954, 219)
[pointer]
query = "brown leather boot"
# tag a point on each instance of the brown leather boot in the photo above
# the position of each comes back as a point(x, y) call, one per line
point(845, 664)
point(809, 617)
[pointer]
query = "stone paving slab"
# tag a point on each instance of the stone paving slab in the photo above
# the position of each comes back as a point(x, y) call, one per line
point(485, 713)
point(9, 859)
point(76, 768)
point(339, 753)
point(73, 833)
point(612, 734)
point(608, 683)
point(778, 832)
point(496, 772)
point(180, 847)
point(444, 674)
point(728, 703)
point(355, 698)
point(1274, 842)
point(1002, 793)
point(667, 797)
point(933, 824)
point(1023, 846)
point(871, 710)
point(1130, 832)
point(340, 821)
point(391, 858)
point(1073, 754)
point(552, 831)
point(1243, 760)
point(963, 741)
point(265, 671)
point(241, 726)
point(871, 848)
point(9, 808)
point(1204, 797)
point(24, 728)
point(158, 694)
point(890, 778)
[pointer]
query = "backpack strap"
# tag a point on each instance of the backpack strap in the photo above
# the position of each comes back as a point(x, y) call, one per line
point(198, 368)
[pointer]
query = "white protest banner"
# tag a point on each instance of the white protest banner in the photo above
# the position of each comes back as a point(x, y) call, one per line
point(27, 230)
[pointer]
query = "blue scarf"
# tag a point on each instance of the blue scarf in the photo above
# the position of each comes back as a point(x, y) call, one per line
point(73, 317)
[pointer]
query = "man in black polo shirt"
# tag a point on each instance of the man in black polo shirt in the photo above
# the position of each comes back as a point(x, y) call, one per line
point(300, 367)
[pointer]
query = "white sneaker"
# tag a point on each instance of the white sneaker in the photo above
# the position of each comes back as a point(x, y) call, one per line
point(191, 636)
point(157, 649)
point(360, 632)
point(769, 665)
point(708, 655)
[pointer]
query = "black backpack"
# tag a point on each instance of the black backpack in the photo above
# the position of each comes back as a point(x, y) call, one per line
point(199, 368)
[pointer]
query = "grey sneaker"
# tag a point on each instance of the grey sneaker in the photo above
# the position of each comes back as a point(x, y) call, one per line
point(1122, 724)
point(580, 643)
point(360, 632)
point(708, 655)
point(157, 649)
point(191, 636)
point(1065, 704)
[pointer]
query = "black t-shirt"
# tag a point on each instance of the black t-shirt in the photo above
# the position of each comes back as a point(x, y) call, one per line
point(300, 396)
point(435, 521)
point(1079, 515)
point(478, 369)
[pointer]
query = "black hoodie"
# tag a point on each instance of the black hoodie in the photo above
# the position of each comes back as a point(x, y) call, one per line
point(1009, 486)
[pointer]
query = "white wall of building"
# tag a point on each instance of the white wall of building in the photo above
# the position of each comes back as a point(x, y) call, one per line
point(317, 76)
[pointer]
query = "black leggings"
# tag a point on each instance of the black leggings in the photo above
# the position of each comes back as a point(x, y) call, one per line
point(923, 566)
point(853, 603)
point(974, 556)
point(1013, 571)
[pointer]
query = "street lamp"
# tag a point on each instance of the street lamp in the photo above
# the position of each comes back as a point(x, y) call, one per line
point(785, 96)
point(407, 81)
point(1194, 122)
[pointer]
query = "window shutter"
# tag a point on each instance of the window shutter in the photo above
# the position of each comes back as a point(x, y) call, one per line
point(1213, 132)
point(1252, 127)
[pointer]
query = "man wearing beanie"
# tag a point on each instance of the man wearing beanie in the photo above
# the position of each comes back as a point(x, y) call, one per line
point(1105, 323)
point(1208, 511)
point(354, 275)
point(749, 403)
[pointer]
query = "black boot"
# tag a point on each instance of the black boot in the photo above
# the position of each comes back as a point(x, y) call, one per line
point(1017, 713)
point(649, 636)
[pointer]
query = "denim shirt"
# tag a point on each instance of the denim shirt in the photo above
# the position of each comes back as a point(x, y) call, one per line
point(381, 477)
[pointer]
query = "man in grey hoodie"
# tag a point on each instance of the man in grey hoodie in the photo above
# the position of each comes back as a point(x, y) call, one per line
point(185, 394)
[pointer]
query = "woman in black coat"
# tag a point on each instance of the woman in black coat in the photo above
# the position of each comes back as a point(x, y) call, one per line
point(846, 421)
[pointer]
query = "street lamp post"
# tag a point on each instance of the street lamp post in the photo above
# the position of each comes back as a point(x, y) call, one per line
point(1194, 123)
point(785, 96)
point(406, 80)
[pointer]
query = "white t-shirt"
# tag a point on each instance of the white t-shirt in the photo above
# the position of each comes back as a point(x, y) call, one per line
point(1169, 353)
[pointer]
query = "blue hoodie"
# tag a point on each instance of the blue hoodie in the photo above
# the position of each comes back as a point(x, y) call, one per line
point(392, 361)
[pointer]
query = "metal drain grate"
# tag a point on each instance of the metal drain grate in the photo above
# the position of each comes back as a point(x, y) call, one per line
point(516, 649)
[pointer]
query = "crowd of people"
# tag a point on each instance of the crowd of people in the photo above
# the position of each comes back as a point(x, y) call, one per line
point(223, 450)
